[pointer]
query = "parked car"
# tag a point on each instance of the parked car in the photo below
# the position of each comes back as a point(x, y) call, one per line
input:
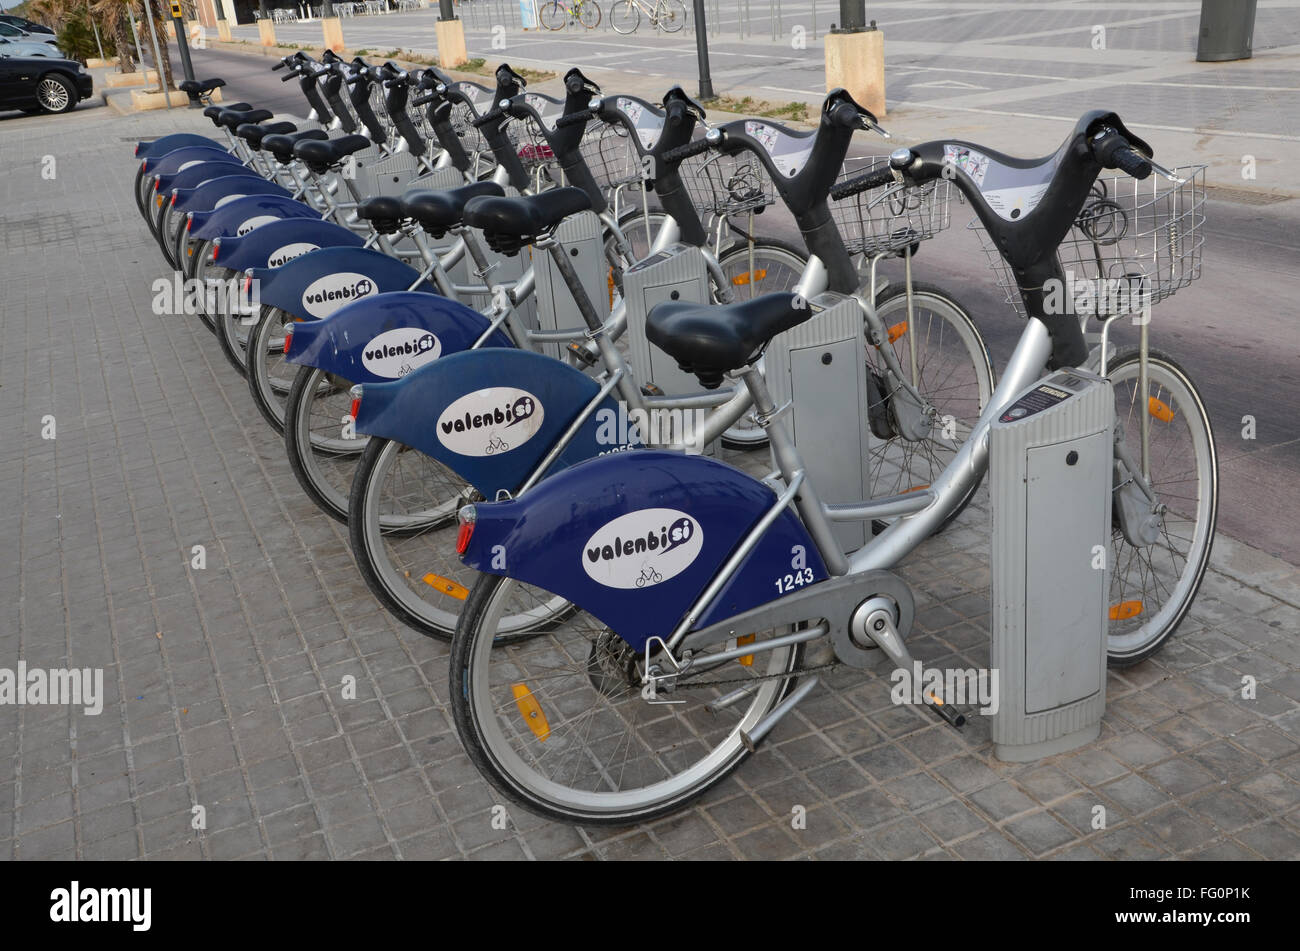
point(16, 33)
point(42, 84)
point(10, 47)
point(24, 24)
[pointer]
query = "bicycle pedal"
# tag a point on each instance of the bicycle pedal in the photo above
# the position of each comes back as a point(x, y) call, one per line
point(582, 354)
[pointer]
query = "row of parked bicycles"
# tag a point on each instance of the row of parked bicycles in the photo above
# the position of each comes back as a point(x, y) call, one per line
point(467, 309)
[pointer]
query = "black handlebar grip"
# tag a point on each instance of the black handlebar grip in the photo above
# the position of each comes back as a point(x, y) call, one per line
point(873, 179)
point(285, 79)
point(425, 99)
point(280, 65)
point(686, 151)
point(1132, 162)
point(490, 116)
point(573, 118)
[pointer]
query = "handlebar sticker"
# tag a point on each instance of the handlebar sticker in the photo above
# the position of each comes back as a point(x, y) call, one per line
point(642, 548)
point(395, 353)
point(974, 164)
point(490, 421)
point(647, 131)
point(1014, 203)
point(540, 104)
point(788, 154)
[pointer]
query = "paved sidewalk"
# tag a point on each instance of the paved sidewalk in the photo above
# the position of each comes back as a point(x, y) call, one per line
point(223, 684)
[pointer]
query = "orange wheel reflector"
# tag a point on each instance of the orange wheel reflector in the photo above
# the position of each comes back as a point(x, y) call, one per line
point(1125, 610)
point(609, 281)
point(748, 659)
point(935, 699)
point(446, 586)
point(1160, 410)
point(158, 201)
point(897, 331)
point(916, 488)
point(756, 275)
point(531, 711)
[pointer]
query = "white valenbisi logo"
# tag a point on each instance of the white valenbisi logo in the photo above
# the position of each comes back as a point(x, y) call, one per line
point(256, 222)
point(395, 353)
point(490, 421)
point(642, 549)
point(225, 200)
point(327, 294)
point(283, 255)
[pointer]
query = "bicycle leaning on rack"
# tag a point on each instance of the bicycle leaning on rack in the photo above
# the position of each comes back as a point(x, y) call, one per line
point(554, 14)
point(666, 15)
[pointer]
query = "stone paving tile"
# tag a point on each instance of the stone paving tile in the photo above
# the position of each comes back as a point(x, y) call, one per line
point(222, 685)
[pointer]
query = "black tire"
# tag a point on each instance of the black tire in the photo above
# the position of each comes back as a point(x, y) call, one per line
point(227, 327)
point(301, 452)
point(56, 94)
point(141, 196)
point(1128, 646)
point(264, 351)
point(463, 651)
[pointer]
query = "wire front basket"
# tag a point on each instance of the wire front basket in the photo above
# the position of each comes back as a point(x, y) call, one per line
point(888, 219)
point(725, 185)
point(1134, 244)
point(611, 155)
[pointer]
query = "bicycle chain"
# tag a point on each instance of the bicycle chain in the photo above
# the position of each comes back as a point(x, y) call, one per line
point(750, 680)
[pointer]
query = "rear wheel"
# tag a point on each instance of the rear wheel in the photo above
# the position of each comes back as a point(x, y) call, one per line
point(269, 375)
point(559, 723)
point(402, 524)
point(554, 15)
point(671, 15)
point(1152, 586)
point(323, 449)
point(588, 13)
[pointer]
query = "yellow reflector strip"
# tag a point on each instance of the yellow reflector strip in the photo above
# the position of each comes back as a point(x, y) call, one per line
point(1125, 610)
point(446, 586)
point(748, 659)
point(916, 488)
point(158, 201)
point(1160, 410)
point(897, 331)
point(742, 279)
point(530, 711)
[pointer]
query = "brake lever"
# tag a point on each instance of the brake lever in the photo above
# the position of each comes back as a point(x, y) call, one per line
point(1161, 170)
point(874, 127)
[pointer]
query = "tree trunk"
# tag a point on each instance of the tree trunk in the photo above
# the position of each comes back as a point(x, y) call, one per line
point(125, 45)
point(154, 10)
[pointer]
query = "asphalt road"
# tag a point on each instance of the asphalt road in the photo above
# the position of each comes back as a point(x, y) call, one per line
point(1235, 330)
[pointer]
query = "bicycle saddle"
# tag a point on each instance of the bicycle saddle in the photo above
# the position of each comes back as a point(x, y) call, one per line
point(215, 112)
point(319, 154)
point(235, 117)
point(200, 86)
point(510, 223)
point(385, 212)
point(281, 146)
point(252, 133)
point(711, 339)
point(438, 211)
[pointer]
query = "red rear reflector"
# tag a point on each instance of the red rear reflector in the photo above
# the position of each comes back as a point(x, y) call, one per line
point(288, 338)
point(173, 201)
point(356, 403)
point(463, 536)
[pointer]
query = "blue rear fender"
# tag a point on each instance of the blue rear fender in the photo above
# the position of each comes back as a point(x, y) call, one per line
point(215, 192)
point(181, 159)
point(244, 214)
point(277, 243)
point(491, 415)
point(196, 175)
point(635, 538)
point(318, 283)
point(170, 143)
point(385, 337)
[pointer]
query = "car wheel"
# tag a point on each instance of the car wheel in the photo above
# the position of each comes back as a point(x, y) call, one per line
point(55, 94)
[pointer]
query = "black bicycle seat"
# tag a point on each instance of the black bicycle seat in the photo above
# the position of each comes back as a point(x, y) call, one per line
point(711, 339)
point(253, 133)
point(215, 112)
point(385, 212)
point(235, 117)
point(436, 211)
point(320, 155)
point(200, 87)
point(281, 146)
point(510, 223)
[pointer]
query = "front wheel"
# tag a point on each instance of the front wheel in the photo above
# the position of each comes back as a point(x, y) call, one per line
point(269, 375)
point(1152, 587)
point(588, 13)
point(670, 15)
point(55, 94)
point(624, 16)
point(559, 723)
point(554, 15)
point(322, 445)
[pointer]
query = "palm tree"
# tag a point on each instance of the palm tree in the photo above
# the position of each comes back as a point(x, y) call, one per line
point(154, 9)
point(112, 14)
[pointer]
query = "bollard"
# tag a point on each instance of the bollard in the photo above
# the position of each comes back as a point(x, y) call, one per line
point(1226, 31)
point(855, 61)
